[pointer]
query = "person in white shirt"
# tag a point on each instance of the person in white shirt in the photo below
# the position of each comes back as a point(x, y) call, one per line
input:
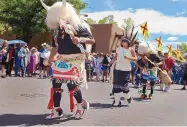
point(98, 67)
point(124, 55)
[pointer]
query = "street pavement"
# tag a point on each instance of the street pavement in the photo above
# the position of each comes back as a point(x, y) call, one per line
point(23, 102)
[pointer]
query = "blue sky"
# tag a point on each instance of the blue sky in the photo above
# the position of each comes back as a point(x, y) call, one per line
point(166, 18)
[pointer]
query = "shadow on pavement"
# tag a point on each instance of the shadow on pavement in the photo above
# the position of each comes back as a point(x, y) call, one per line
point(137, 99)
point(158, 90)
point(104, 106)
point(100, 106)
point(30, 120)
point(179, 89)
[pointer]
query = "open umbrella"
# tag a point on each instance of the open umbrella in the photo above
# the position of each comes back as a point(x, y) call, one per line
point(1, 41)
point(16, 42)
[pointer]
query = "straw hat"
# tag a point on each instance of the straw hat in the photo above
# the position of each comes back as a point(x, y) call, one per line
point(44, 44)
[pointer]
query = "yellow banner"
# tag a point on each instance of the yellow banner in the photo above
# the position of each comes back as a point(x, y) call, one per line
point(144, 29)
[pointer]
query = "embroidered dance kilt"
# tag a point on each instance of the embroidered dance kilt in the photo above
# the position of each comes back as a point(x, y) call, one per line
point(121, 81)
point(150, 74)
point(70, 68)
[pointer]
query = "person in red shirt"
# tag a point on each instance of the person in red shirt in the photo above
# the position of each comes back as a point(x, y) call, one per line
point(10, 61)
point(168, 64)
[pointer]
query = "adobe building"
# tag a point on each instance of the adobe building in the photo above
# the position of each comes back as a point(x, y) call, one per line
point(106, 37)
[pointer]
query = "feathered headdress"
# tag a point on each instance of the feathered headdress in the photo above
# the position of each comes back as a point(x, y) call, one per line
point(130, 39)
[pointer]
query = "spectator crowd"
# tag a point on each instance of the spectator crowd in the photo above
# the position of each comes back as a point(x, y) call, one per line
point(21, 61)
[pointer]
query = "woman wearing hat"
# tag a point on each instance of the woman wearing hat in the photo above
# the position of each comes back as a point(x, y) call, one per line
point(3, 53)
point(32, 62)
point(124, 55)
point(42, 67)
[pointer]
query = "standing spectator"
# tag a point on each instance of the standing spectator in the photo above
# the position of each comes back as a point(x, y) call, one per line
point(22, 60)
point(48, 48)
point(174, 76)
point(88, 69)
point(185, 77)
point(98, 67)
point(93, 65)
point(180, 75)
point(43, 53)
point(27, 57)
point(4, 57)
point(10, 63)
point(17, 60)
point(133, 69)
point(32, 62)
point(105, 68)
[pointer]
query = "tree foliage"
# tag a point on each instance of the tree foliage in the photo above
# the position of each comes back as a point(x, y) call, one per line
point(91, 21)
point(128, 24)
point(107, 20)
point(27, 17)
point(183, 48)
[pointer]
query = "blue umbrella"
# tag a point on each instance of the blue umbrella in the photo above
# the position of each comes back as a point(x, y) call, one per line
point(16, 42)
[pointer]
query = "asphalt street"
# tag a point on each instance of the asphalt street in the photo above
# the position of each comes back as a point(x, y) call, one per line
point(23, 101)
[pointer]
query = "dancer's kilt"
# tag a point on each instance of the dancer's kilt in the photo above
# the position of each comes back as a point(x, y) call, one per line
point(70, 68)
point(150, 74)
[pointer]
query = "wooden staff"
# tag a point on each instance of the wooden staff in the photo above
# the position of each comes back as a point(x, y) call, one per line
point(164, 75)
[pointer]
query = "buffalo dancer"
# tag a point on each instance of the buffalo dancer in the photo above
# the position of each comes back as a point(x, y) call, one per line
point(71, 35)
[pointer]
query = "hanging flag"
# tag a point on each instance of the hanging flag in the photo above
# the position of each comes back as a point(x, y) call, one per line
point(159, 43)
point(144, 30)
point(177, 52)
point(169, 50)
point(182, 57)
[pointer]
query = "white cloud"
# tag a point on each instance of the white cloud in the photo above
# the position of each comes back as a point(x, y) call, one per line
point(172, 38)
point(181, 13)
point(157, 22)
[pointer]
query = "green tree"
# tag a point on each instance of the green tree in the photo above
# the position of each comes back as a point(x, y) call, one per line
point(183, 47)
point(107, 20)
point(27, 17)
point(128, 24)
point(91, 21)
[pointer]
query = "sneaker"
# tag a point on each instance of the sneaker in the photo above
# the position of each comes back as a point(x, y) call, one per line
point(184, 88)
point(143, 96)
point(166, 89)
point(113, 102)
point(78, 114)
point(3, 76)
point(129, 100)
point(150, 96)
point(80, 111)
point(85, 105)
point(119, 105)
point(57, 113)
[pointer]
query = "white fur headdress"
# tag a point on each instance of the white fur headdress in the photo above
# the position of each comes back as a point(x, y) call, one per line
point(145, 47)
point(63, 10)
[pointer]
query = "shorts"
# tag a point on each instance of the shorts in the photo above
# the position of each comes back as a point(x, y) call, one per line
point(3, 62)
point(41, 62)
point(105, 68)
point(185, 77)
